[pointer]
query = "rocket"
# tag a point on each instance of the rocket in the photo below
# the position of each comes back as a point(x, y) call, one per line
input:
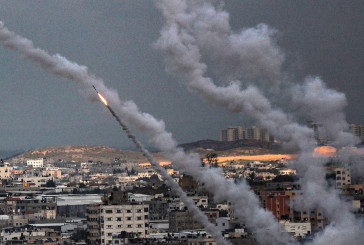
point(95, 88)
point(101, 97)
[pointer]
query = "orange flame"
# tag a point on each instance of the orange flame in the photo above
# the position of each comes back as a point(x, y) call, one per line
point(102, 99)
point(324, 150)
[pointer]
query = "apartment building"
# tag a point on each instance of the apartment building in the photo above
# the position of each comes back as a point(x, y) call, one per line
point(343, 177)
point(180, 220)
point(277, 202)
point(357, 130)
point(117, 215)
point(233, 133)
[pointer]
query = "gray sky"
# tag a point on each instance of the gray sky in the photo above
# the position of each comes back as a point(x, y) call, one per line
point(114, 38)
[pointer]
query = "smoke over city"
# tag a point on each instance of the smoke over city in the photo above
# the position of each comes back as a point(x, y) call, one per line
point(61, 66)
point(193, 28)
point(252, 62)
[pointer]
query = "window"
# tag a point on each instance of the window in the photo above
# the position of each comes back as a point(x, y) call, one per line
point(128, 211)
point(128, 218)
point(118, 219)
point(118, 211)
point(109, 219)
point(129, 226)
point(108, 211)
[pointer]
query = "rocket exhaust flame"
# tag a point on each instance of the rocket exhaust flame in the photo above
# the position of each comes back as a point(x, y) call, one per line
point(100, 96)
point(196, 212)
point(102, 99)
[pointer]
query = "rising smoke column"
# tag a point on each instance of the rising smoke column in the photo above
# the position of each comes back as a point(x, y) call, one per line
point(190, 204)
point(245, 203)
point(252, 53)
point(59, 65)
point(180, 41)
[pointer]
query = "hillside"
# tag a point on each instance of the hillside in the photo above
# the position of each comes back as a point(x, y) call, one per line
point(84, 153)
point(239, 146)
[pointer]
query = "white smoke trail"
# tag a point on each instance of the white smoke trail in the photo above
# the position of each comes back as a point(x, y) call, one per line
point(190, 204)
point(326, 106)
point(59, 65)
point(252, 52)
point(262, 222)
point(180, 40)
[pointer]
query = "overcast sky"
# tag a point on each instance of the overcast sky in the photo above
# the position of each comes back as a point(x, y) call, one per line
point(114, 39)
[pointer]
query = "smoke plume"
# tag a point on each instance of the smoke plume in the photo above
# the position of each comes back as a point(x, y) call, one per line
point(183, 43)
point(59, 65)
point(261, 221)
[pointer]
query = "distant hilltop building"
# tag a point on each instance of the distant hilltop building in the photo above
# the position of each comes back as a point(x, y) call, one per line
point(233, 133)
point(358, 130)
point(322, 137)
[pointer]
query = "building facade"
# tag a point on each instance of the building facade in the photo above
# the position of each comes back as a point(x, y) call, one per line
point(343, 177)
point(116, 215)
point(35, 163)
point(358, 130)
point(233, 133)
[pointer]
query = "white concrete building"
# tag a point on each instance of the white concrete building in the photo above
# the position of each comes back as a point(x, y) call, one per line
point(35, 163)
point(297, 229)
point(146, 173)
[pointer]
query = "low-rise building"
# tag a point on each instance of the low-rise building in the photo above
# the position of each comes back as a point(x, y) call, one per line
point(35, 163)
point(300, 230)
point(5, 171)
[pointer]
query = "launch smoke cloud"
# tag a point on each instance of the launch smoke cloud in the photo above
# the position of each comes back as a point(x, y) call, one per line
point(59, 65)
point(259, 220)
point(191, 28)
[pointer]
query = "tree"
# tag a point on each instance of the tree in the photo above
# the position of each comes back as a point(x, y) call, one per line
point(132, 171)
point(211, 158)
point(252, 176)
point(50, 183)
